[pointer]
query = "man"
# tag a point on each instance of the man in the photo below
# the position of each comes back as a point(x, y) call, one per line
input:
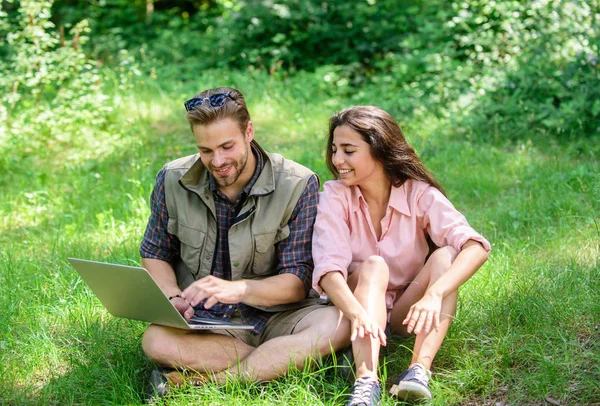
point(229, 238)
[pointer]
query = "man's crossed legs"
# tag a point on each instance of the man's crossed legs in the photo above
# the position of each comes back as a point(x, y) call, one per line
point(290, 338)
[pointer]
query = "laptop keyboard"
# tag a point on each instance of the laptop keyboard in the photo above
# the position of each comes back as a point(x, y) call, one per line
point(205, 320)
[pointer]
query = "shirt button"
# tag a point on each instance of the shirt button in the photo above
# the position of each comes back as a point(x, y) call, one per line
point(207, 257)
point(230, 306)
point(236, 264)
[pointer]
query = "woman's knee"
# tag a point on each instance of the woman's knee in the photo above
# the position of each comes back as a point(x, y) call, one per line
point(374, 271)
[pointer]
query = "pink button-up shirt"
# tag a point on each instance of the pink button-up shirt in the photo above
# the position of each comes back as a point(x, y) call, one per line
point(343, 231)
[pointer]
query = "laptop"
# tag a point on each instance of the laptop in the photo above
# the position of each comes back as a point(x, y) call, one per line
point(130, 292)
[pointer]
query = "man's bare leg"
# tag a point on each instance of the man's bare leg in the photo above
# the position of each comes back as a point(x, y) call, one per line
point(204, 352)
point(318, 334)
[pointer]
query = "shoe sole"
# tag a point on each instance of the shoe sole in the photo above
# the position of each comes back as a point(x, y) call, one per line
point(409, 391)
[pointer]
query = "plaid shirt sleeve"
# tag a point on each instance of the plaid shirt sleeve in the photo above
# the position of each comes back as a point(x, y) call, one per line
point(157, 242)
point(295, 252)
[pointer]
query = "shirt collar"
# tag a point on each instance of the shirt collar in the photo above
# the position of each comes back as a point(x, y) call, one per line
point(398, 199)
point(356, 197)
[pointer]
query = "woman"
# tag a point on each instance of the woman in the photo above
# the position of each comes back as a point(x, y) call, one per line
point(371, 247)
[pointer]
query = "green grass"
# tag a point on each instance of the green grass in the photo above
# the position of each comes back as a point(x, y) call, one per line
point(527, 327)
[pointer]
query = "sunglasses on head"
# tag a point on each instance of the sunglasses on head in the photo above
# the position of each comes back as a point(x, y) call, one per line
point(216, 100)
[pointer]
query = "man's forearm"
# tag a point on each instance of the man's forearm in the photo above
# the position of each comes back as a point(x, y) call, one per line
point(162, 272)
point(275, 290)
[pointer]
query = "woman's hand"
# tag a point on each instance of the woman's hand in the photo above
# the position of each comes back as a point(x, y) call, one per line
point(424, 314)
point(361, 325)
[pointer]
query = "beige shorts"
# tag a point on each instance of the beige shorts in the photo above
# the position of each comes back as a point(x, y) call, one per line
point(280, 324)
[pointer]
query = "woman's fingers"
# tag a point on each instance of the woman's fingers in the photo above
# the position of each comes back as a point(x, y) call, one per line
point(367, 329)
point(382, 337)
point(363, 328)
point(374, 330)
point(361, 331)
point(409, 315)
point(422, 319)
point(354, 330)
point(429, 322)
point(420, 322)
point(412, 322)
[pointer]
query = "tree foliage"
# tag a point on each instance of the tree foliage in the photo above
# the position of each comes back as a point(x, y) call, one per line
point(523, 66)
point(51, 91)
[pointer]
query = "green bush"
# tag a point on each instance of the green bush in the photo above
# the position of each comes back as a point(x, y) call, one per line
point(169, 29)
point(551, 86)
point(306, 34)
point(511, 67)
point(514, 67)
point(52, 94)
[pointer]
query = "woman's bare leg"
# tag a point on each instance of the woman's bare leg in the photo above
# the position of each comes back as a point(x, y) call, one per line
point(427, 344)
point(369, 283)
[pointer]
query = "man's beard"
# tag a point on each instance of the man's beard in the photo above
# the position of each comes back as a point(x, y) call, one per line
point(237, 169)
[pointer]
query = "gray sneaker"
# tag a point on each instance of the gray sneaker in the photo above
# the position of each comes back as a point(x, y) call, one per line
point(365, 392)
point(158, 386)
point(412, 384)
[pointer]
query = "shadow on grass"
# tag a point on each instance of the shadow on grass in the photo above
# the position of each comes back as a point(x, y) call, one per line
point(105, 365)
point(59, 346)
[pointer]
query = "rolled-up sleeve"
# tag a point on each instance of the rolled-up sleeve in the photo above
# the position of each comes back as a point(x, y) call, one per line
point(446, 225)
point(157, 242)
point(332, 251)
point(294, 252)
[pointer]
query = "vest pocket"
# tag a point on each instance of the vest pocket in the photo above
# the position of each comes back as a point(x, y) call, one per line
point(192, 242)
point(265, 253)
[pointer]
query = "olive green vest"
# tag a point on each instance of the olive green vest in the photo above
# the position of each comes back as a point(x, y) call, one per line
point(261, 222)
